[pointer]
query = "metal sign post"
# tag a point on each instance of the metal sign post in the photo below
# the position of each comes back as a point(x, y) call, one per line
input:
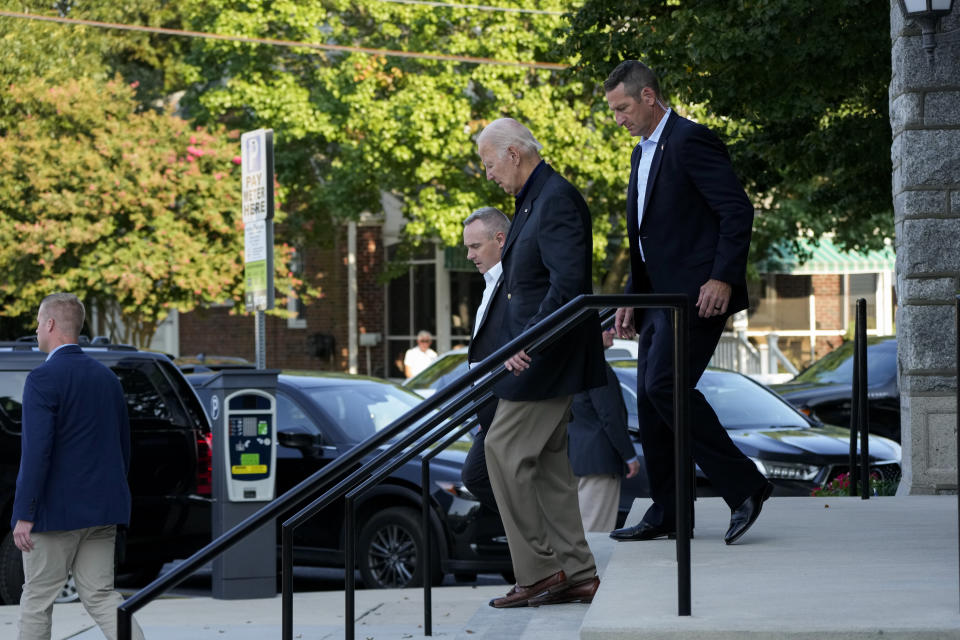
point(257, 160)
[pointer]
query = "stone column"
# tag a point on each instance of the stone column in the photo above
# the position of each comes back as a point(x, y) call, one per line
point(925, 119)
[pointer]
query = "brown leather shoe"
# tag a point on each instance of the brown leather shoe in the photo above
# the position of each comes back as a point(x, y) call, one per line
point(519, 596)
point(582, 591)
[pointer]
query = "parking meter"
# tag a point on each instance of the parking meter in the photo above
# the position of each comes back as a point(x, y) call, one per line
point(241, 405)
point(250, 442)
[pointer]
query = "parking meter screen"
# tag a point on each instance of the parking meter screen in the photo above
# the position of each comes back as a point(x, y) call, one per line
point(249, 447)
point(249, 426)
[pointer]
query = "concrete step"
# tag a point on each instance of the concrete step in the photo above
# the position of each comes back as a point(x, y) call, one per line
point(809, 568)
point(554, 622)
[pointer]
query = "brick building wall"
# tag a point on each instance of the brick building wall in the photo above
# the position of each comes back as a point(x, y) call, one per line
point(214, 331)
point(828, 294)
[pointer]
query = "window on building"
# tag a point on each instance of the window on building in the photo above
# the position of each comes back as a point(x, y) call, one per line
point(411, 306)
point(294, 302)
point(862, 285)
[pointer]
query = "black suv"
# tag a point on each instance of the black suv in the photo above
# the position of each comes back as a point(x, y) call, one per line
point(169, 466)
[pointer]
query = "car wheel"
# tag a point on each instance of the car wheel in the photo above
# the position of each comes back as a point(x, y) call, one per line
point(390, 551)
point(11, 576)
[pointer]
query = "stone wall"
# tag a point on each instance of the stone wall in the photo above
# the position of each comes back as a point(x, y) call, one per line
point(925, 120)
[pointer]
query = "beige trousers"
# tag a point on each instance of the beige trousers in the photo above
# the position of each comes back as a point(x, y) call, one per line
point(599, 497)
point(88, 553)
point(526, 450)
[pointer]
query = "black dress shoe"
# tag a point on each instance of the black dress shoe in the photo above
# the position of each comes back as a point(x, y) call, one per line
point(643, 531)
point(746, 514)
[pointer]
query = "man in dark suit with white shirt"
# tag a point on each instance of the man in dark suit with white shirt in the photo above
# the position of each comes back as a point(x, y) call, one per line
point(689, 224)
point(547, 262)
point(484, 233)
point(72, 487)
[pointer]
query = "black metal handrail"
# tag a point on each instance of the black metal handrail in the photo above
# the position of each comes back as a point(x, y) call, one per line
point(427, 416)
point(859, 409)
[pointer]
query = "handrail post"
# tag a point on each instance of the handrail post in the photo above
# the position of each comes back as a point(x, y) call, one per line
point(350, 567)
point(681, 457)
point(864, 411)
point(124, 624)
point(852, 476)
point(286, 584)
point(427, 551)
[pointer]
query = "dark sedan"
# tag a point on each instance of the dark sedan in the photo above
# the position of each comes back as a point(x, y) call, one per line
point(823, 390)
point(319, 417)
point(794, 452)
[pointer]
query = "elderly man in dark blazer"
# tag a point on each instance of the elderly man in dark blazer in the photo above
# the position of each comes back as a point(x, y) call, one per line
point(689, 224)
point(72, 485)
point(547, 261)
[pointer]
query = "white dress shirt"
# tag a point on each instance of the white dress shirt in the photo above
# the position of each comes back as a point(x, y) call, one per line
point(648, 146)
point(491, 277)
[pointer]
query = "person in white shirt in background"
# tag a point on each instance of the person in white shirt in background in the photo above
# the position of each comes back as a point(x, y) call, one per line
point(419, 357)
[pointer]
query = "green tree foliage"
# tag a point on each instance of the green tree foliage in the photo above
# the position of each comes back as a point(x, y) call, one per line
point(797, 87)
point(350, 125)
point(135, 210)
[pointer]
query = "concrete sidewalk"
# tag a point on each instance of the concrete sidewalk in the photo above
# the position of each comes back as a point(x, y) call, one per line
point(811, 568)
point(382, 614)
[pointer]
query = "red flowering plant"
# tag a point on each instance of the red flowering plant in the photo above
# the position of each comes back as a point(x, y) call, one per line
point(840, 486)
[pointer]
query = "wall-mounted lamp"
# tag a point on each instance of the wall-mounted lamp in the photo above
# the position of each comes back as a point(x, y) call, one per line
point(927, 14)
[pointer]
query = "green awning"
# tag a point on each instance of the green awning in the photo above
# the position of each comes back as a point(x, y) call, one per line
point(828, 258)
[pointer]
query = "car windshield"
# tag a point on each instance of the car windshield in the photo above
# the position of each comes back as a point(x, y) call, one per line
point(440, 373)
point(837, 366)
point(740, 403)
point(363, 408)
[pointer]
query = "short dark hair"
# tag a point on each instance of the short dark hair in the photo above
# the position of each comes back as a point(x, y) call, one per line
point(492, 218)
point(635, 77)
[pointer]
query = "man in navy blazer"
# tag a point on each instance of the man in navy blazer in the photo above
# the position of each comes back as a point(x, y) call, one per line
point(484, 234)
point(689, 224)
point(72, 487)
point(546, 261)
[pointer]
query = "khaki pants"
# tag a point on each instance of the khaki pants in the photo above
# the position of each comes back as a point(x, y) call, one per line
point(526, 449)
point(88, 553)
point(599, 497)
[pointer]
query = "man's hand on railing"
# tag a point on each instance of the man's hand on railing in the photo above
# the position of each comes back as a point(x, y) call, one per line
point(518, 362)
point(623, 323)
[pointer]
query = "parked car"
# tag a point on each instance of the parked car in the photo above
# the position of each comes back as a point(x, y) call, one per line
point(453, 364)
point(797, 454)
point(319, 417)
point(823, 390)
point(169, 463)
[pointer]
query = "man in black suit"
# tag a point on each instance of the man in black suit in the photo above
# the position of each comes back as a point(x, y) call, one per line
point(484, 234)
point(547, 261)
point(689, 224)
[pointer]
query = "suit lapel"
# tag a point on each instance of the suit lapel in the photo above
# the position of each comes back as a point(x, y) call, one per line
point(632, 193)
point(657, 160)
point(523, 212)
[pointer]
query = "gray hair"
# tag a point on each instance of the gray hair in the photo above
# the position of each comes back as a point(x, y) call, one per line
point(424, 334)
point(67, 310)
point(635, 77)
point(493, 220)
point(507, 132)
